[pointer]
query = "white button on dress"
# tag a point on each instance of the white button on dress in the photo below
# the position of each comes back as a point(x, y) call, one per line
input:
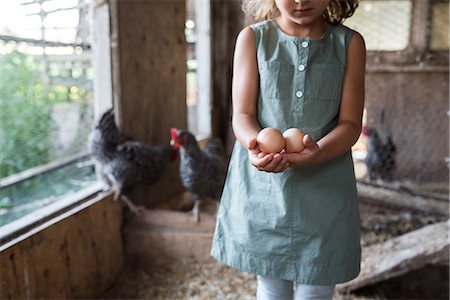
point(299, 94)
point(305, 44)
point(301, 68)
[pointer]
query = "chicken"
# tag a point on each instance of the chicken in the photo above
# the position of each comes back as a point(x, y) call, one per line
point(202, 172)
point(125, 162)
point(380, 159)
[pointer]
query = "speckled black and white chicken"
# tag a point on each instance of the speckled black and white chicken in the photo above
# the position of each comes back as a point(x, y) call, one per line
point(380, 159)
point(125, 162)
point(202, 172)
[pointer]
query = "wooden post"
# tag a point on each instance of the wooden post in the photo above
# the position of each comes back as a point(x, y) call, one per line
point(149, 73)
point(227, 20)
point(101, 59)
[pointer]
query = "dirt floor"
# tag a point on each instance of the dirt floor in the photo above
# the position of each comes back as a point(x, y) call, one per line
point(212, 280)
point(184, 280)
point(190, 280)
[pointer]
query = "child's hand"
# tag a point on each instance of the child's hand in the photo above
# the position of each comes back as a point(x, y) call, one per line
point(307, 157)
point(268, 162)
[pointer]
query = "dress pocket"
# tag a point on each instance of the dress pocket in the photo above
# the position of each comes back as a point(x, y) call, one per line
point(326, 81)
point(276, 80)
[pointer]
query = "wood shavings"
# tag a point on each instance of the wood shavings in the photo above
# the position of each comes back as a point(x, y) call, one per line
point(212, 280)
point(184, 280)
point(190, 280)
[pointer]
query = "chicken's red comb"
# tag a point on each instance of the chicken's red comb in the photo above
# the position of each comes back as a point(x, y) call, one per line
point(173, 132)
point(174, 138)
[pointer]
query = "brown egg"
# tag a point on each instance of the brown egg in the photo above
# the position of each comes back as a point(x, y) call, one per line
point(270, 140)
point(294, 140)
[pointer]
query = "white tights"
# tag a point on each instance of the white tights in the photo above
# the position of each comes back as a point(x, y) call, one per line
point(278, 289)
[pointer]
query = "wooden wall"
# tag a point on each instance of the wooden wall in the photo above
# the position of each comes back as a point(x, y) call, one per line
point(412, 88)
point(227, 20)
point(149, 73)
point(415, 103)
point(77, 257)
point(162, 237)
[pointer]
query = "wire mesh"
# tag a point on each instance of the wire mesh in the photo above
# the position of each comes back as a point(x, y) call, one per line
point(407, 94)
point(385, 24)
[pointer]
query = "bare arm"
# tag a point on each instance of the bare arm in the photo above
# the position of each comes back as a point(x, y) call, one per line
point(346, 133)
point(245, 95)
point(245, 88)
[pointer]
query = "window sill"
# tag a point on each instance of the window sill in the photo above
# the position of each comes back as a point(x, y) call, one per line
point(20, 229)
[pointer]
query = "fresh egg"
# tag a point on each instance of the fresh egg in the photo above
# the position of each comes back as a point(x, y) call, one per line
point(294, 140)
point(270, 140)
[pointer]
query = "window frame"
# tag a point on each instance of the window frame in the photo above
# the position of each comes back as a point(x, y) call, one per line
point(430, 27)
point(24, 227)
point(28, 225)
point(417, 50)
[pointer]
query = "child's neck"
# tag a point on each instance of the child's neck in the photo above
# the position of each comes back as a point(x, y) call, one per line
point(312, 30)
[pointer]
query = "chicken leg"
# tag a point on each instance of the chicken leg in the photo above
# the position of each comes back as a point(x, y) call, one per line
point(135, 209)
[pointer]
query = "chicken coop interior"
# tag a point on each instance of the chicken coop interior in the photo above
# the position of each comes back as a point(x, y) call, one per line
point(81, 219)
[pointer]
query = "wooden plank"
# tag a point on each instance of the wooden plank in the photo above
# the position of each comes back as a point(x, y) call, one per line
point(77, 257)
point(158, 218)
point(401, 200)
point(22, 228)
point(226, 22)
point(150, 79)
point(159, 237)
point(408, 252)
point(101, 59)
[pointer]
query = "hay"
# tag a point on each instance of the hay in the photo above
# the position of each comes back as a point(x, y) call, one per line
point(191, 280)
point(212, 280)
point(184, 280)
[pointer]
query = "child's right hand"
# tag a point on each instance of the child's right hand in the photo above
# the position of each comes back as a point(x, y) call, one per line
point(267, 162)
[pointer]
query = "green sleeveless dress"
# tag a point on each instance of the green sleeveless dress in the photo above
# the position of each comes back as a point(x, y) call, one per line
point(301, 224)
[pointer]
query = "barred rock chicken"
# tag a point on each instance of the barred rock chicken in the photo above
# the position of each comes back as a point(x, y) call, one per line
point(380, 159)
point(125, 162)
point(202, 172)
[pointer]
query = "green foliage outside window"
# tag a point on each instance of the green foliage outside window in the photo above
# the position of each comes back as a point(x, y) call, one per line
point(26, 103)
point(25, 115)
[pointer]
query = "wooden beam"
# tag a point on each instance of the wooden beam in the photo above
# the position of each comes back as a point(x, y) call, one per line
point(149, 68)
point(160, 237)
point(397, 256)
point(77, 257)
point(227, 20)
point(401, 200)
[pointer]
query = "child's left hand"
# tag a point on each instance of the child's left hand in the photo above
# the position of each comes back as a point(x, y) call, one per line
point(307, 157)
point(267, 162)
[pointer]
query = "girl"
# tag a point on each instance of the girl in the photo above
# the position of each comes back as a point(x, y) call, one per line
point(293, 217)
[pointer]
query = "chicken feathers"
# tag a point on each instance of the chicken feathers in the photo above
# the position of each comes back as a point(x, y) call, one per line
point(380, 159)
point(125, 162)
point(202, 172)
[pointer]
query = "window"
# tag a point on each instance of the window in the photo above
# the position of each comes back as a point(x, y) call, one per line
point(385, 25)
point(198, 81)
point(46, 99)
point(439, 26)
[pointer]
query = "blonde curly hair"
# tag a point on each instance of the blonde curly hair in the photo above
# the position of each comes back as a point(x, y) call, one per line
point(336, 12)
